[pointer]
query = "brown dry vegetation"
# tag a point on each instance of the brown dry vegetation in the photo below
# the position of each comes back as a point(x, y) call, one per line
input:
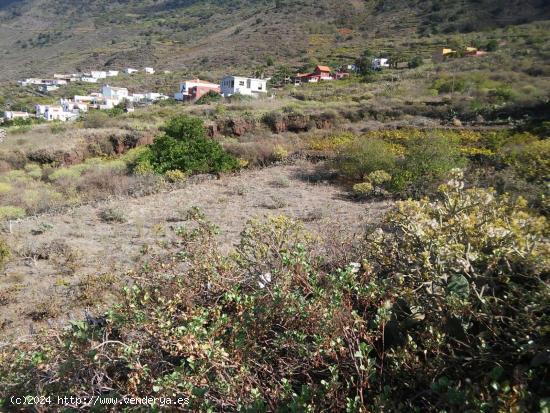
point(65, 263)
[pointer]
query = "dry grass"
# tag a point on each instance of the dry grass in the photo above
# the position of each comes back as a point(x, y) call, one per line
point(82, 272)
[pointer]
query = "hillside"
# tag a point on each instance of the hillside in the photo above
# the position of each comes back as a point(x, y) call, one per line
point(42, 36)
point(370, 241)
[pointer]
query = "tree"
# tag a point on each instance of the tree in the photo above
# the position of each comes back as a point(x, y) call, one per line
point(281, 74)
point(492, 45)
point(364, 62)
point(184, 146)
point(416, 62)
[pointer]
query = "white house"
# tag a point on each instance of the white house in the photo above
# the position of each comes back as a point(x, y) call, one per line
point(98, 74)
point(379, 63)
point(47, 88)
point(112, 73)
point(116, 94)
point(131, 71)
point(11, 115)
point(73, 106)
point(154, 96)
point(137, 97)
point(84, 98)
point(89, 79)
point(31, 81)
point(51, 113)
point(149, 70)
point(232, 85)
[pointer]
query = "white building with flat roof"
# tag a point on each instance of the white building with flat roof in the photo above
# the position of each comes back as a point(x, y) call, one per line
point(52, 113)
point(249, 86)
point(116, 94)
point(99, 74)
point(12, 114)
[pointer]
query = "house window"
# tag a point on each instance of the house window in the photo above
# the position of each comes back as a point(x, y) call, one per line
point(232, 83)
point(241, 82)
point(260, 87)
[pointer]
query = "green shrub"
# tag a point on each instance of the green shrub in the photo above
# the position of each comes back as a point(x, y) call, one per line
point(360, 157)
point(33, 170)
point(96, 119)
point(379, 177)
point(459, 264)
point(415, 62)
point(427, 161)
point(112, 215)
point(11, 212)
point(185, 146)
point(175, 176)
point(446, 84)
point(5, 188)
point(363, 189)
point(531, 159)
point(208, 98)
point(4, 253)
point(492, 45)
point(57, 127)
point(444, 310)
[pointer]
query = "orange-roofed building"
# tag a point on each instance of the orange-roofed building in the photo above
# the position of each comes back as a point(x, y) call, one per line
point(323, 72)
point(320, 73)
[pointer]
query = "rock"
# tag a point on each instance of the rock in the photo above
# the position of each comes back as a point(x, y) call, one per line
point(456, 122)
point(212, 130)
point(241, 126)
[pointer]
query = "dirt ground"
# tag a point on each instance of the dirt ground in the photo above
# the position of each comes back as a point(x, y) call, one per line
point(70, 263)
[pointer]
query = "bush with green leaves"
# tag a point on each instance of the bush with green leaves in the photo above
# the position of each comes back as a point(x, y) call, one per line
point(363, 189)
point(360, 157)
point(185, 146)
point(210, 97)
point(443, 310)
point(4, 253)
point(530, 159)
point(427, 161)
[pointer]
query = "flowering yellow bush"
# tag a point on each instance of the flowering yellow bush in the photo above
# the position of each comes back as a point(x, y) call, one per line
point(175, 176)
point(331, 143)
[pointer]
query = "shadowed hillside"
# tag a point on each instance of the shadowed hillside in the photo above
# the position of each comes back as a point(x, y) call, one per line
point(41, 36)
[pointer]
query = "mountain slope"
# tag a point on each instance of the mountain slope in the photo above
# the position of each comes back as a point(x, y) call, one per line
point(42, 36)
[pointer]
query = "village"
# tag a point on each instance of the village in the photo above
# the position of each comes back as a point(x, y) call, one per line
point(109, 97)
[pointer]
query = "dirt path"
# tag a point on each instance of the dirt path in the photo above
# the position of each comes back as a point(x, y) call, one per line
point(67, 263)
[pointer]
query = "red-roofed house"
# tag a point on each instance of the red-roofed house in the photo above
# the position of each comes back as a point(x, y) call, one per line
point(323, 72)
point(194, 89)
point(320, 73)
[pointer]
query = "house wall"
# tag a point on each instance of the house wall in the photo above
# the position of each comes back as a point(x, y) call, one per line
point(231, 85)
point(194, 90)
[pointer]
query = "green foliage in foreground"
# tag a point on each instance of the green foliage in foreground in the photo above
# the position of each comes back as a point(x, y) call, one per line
point(443, 310)
point(184, 146)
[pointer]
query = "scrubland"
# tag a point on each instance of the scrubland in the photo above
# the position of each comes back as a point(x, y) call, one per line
point(378, 243)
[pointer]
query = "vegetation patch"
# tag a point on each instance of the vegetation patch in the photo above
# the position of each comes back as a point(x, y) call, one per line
point(184, 146)
point(453, 288)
